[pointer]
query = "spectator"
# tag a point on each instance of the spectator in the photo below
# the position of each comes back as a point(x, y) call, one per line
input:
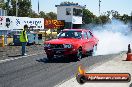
point(24, 40)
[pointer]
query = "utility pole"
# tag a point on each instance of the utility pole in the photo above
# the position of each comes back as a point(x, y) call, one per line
point(99, 7)
point(30, 9)
point(131, 21)
point(38, 6)
point(16, 8)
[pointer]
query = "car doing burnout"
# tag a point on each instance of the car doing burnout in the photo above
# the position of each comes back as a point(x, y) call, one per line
point(73, 43)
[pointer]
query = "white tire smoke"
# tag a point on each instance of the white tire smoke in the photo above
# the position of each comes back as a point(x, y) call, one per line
point(113, 37)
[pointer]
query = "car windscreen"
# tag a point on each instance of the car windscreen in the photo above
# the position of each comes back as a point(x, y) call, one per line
point(70, 34)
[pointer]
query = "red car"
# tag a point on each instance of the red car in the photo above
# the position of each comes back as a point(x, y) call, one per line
point(73, 43)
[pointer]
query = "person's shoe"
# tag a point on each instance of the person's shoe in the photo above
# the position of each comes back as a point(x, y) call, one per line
point(24, 55)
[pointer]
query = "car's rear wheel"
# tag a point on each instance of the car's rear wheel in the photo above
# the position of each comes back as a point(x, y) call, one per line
point(79, 54)
point(50, 57)
point(92, 52)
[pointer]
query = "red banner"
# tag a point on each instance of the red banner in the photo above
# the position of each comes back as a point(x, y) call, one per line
point(53, 24)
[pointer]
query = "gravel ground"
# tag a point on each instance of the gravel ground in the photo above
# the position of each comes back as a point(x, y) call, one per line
point(15, 51)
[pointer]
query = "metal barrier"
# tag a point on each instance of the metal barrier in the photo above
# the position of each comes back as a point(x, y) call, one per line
point(2, 41)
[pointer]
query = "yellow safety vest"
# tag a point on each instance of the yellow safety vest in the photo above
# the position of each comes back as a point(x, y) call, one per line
point(23, 37)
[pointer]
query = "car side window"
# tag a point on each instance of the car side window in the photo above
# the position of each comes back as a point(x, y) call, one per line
point(89, 35)
point(85, 35)
point(63, 34)
point(78, 35)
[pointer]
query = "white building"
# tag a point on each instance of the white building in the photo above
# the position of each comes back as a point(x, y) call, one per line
point(71, 14)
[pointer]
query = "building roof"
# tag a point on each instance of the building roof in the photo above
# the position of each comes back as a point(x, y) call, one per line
point(76, 5)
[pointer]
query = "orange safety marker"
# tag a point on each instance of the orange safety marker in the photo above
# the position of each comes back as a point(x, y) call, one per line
point(2, 41)
point(3, 45)
point(129, 54)
point(129, 57)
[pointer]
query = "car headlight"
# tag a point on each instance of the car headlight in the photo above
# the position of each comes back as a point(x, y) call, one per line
point(46, 45)
point(67, 46)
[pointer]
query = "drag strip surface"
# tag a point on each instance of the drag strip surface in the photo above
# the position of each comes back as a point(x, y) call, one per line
point(37, 71)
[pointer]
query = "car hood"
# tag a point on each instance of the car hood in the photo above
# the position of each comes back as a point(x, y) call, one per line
point(63, 41)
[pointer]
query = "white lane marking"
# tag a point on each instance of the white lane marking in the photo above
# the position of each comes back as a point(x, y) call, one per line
point(15, 58)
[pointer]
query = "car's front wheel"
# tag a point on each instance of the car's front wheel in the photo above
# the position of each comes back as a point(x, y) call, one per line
point(50, 57)
point(78, 56)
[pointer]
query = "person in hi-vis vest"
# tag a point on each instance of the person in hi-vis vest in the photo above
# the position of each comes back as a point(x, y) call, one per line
point(24, 39)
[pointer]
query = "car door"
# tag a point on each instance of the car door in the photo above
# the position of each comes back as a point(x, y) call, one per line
point(86, 42)
point(91, 39)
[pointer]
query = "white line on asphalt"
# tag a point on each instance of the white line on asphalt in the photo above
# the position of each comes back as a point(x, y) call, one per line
point(15, 58)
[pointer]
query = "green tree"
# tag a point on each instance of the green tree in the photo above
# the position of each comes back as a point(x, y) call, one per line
point(24, 7)
point(104, 19)
point(67, 3)
point(125, 18)
point(33, 14)
point(97, 20)
point(42, 14)
point(2, 4)
point(51, 15)
point(87, 16)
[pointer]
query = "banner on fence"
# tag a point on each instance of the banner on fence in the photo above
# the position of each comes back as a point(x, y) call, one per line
point(17, 23)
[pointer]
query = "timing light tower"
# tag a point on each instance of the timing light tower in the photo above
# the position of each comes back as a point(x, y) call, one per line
point(71, 13)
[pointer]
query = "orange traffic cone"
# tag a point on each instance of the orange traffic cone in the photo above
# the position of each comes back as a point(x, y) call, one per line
point(129, 54)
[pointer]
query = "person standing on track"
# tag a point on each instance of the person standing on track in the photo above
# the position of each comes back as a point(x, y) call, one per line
point(24, 39)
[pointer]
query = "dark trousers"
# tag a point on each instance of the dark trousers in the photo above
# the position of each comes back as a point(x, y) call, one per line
point(24, 48)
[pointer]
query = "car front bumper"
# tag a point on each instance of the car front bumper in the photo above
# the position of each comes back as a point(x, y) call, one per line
point(63, 52)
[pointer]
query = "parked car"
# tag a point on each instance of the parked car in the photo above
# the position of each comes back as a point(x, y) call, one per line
point(73, 43)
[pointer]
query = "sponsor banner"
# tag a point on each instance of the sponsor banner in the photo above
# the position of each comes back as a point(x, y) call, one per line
point(1, 22)
point(105, 77)
point(34, 23)
point(17, 23)
point(53, 24)
point(108, 77)
point(83, 77)
point(6, 22)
